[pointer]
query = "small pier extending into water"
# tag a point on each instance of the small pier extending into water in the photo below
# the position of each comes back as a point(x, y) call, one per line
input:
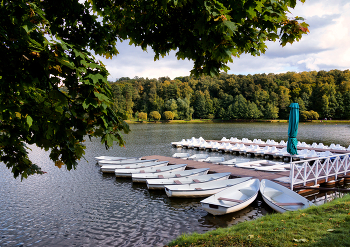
point(308, 173)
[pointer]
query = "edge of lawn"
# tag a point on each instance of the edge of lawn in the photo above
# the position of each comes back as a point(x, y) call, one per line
point(323, 225)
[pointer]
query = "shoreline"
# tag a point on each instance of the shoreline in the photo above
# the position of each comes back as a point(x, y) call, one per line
point(323, 225)
point(199, 121)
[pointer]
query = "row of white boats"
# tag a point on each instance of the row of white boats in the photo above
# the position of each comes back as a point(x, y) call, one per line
point(257, 147)
point(224, 195)
point(259, 165)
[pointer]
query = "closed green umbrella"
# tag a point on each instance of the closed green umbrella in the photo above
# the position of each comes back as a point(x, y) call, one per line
point(293, 129)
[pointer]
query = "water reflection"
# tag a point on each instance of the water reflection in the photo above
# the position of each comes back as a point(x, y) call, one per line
point(88, 208)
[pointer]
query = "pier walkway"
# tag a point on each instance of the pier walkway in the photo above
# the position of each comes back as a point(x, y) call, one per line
point(282, 178)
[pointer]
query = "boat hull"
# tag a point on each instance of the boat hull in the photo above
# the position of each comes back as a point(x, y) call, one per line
point(161, 183)
point(282, 199)
point(201, 190)
point(233, 199)
point(129, 172)
point(142, 178)
point(111, 168)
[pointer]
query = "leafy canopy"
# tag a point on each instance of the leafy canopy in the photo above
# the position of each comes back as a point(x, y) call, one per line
point(53, 92)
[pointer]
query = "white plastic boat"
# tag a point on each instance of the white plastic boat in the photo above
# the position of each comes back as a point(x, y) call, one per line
point(110, 168)
point(142, 177)
point(120, 162)
point(203, 189)
point(232, 162)
point(198, 157)
point(114, 158)
point(253, 164)
point(274, 168)
point(214, 159)
point(281, 198)
point(129, 172)
point(181, 155)
point(160, 183)
point(232, 199)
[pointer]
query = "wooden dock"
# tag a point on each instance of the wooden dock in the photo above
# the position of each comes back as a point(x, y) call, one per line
point(282, 177)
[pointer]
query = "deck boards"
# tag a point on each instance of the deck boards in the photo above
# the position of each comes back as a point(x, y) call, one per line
point(235, 171)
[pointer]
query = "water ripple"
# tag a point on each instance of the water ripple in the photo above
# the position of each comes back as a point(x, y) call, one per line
point(84, 207)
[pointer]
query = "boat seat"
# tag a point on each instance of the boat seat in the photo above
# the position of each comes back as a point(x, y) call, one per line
point(247, 191)
point(160, 176)
point(229, 199)
point(127, 167)
point(199, 189)
point(158, 170)
point(142, 171)
point(270, 192)
point(177, 182)
point(196, 180)
point(289, 203)
point(178, 175)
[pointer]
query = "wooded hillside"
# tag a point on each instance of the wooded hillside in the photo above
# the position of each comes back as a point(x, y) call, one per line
point(261, 96)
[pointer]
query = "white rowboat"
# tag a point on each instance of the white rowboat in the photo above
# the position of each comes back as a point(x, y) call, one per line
point(274, 168)
point(233, 198)
point(202, 189)
point(114, 158)
point(129, 172)
point(281, 198)
point(142, 177)
point(198, 157)
point(160, 183)
point(123, 162)
point(110, 168)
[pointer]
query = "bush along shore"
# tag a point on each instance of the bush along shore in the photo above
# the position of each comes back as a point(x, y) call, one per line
point(324, 225)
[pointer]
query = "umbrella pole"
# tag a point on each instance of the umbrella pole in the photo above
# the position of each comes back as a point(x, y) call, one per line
point(291, 173)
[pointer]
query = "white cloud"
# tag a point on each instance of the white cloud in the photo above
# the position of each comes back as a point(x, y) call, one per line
point(325, 47)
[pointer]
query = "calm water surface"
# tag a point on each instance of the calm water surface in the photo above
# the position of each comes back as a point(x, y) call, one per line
point(87, 208)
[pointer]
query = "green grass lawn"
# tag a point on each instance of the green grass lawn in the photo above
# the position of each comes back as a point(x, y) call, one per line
point(324, 225)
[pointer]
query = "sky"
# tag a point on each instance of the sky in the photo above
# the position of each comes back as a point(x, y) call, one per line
point(326, 47)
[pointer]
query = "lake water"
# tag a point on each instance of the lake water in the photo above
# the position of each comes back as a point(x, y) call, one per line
point(87, 208)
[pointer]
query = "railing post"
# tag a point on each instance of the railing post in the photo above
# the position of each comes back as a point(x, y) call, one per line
point(336, 167)
point(304, 167)
point(327, 168)
point(291, 174)
point(316, 173)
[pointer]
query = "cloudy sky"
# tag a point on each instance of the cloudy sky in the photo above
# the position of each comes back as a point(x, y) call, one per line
point(326, 47)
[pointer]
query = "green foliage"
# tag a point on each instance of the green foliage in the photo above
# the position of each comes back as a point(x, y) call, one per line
point(308, 115)
point(207, 32)
point(142, 116)
point(155, 116)
point(53, 92)
point(35, 63)
point(168, 115)
point(242, 97)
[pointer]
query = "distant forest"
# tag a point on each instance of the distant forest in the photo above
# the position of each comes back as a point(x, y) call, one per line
point(261, 96)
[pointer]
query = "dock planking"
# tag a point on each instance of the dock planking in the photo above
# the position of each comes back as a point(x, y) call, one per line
point(214, 168)
point(236, 171)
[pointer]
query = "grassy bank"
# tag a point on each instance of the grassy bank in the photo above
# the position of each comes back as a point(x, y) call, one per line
point(325, 225)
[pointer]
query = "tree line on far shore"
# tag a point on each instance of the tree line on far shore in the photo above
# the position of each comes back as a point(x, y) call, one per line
point(320, 95)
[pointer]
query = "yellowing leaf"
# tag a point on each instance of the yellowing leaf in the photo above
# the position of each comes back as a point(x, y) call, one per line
point(59, 164)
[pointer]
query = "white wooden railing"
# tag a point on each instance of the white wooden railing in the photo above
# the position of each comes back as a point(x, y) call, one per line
point(312, 170)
